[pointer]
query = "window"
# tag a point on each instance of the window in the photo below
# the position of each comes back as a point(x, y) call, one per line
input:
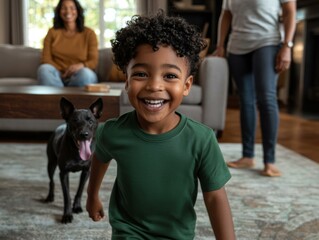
point(105, 17)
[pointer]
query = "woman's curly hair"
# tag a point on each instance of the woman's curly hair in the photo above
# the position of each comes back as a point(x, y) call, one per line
point(59, 23)
point(158, 30)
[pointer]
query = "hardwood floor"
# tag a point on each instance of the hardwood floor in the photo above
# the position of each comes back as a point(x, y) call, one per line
point(296, 133)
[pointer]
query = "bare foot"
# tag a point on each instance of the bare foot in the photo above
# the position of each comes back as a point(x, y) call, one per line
point(244, 162)
point(271, 170)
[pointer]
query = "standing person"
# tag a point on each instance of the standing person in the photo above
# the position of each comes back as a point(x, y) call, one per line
point(256, 56)
point(160, 153)
point(70, 52)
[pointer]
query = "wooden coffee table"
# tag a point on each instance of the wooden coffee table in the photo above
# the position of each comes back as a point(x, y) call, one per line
point(43, 102)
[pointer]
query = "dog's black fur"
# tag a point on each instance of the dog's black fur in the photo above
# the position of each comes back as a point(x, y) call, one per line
point(70, 148)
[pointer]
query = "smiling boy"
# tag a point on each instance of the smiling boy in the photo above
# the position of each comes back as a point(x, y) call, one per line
point(160, 153)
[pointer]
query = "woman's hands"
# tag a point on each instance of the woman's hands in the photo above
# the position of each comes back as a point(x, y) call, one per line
point(72, 69)
point(219, 52)
point(283, 59)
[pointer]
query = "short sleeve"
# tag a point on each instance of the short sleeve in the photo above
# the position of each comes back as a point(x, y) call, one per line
point(101, 151)
point(213, 172)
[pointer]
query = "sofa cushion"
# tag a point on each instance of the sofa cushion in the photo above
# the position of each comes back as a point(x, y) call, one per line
point(194, 97)
point(104, 67)
point(18, 81)
point(107, 70)
point(19, 61)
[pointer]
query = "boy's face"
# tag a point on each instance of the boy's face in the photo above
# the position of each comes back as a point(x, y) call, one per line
point(156, 84)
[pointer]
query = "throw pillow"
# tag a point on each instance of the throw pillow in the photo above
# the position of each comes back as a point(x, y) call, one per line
point(116, 74)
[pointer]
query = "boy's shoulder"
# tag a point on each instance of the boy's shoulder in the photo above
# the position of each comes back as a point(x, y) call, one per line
point(198, 126)
point(119, 121)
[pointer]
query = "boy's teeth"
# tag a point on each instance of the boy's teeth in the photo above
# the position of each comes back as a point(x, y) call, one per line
point(154, 101)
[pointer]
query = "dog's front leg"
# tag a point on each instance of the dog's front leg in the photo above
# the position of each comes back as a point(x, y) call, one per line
point(77, 200)
point(67, 214)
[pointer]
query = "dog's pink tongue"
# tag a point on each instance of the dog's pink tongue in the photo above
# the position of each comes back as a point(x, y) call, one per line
point(85, 150)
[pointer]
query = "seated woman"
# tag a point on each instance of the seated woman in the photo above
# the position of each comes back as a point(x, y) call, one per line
point(70, 52)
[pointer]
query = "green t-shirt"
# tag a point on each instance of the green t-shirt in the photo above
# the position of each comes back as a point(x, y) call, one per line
point(156, 187)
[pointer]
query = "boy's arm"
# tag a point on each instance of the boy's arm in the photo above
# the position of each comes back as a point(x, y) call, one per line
point(219, 214)
point(93, 204)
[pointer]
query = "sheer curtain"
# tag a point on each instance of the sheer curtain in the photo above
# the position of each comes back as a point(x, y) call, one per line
point(149, 7)
point(16, 20)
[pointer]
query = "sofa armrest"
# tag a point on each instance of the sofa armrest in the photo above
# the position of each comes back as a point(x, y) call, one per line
point(19, 61)
point(213, 77)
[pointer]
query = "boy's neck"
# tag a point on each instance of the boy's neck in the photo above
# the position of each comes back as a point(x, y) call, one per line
point(160, 127)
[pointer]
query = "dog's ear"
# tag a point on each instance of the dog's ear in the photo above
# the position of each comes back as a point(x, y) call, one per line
point(66, 107)
point(97, 107)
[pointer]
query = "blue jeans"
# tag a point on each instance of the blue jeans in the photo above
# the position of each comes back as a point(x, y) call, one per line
point(256, 81)
point(48, 75)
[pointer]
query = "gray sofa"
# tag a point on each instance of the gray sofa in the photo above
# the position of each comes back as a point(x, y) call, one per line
point(206, 102)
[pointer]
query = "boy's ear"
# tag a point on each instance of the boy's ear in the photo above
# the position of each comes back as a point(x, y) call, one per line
point(188, 84)
point(126, 81)
point(126, 84)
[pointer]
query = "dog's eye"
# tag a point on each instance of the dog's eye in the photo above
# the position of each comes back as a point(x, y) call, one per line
point(76, 120)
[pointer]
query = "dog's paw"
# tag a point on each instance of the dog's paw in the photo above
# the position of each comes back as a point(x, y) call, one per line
point(50, 198)
point(67, 218)
point(77, 209)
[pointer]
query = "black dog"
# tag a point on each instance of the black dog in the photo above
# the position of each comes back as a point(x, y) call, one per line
point(70, 148)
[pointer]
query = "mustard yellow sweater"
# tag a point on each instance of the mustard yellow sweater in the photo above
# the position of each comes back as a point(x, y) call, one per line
point(62, 51)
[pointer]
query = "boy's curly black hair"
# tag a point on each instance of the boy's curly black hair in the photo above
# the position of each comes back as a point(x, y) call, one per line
point(158, 30)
